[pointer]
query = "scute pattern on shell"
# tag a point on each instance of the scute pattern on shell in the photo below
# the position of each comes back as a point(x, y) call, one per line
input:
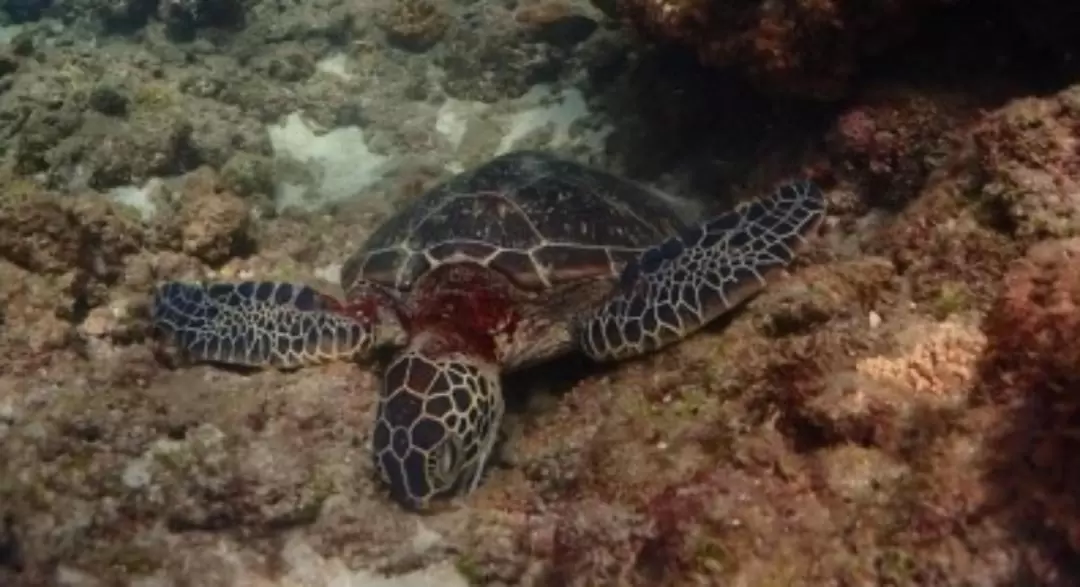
point(541, 238)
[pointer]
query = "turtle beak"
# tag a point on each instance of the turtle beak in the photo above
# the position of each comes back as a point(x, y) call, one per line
point(427, 505)
point(416, 506)
point(405, 482)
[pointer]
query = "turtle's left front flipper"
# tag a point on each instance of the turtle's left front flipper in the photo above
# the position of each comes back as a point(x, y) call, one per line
point(676, 287)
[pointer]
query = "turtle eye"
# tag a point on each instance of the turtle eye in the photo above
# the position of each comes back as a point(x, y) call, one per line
point(446, 459)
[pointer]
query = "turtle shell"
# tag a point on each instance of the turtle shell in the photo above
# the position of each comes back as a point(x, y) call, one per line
point(539, 220)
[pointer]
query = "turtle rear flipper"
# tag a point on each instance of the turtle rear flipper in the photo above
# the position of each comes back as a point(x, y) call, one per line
point(673, 289)
point(260, 323)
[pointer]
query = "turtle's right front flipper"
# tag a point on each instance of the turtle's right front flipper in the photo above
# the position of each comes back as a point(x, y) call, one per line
point(260, 323)
point(682, 284)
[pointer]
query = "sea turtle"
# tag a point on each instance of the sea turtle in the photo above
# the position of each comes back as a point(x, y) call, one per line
point(513, 262)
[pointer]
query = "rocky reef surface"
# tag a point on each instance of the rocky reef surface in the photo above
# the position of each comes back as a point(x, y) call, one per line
point(903, 409)
point(817, 49)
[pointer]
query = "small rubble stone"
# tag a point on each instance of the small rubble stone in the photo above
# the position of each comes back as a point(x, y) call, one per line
point(211, 223)
point(109, 101)
point(287, 62)
point(249, 175)
point(556, 22)
point(487, 69)
point(183, 18)
point(415, 25)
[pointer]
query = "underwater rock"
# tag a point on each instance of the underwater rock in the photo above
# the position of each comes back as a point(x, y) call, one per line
point(415, 25)
point(59, 258)
point(1033, 370)
point(208, 221)
point(1029, 166)
point(1008, 181)
point(556, 22)
point(25, 10)
point(183, 18)
point(489, 57)
point(817, 50)
point(884, 399)
point(284, 62)
point(804, 48)
point(108, 100)
point(48, 233)
point(889, 141)
point(82, 121)
point(114, 16)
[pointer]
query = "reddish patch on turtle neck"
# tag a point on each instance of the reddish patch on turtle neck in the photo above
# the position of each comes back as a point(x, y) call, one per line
point(466, 307)
point(364, 309)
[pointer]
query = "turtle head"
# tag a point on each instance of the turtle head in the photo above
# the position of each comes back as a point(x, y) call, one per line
point(438, 417)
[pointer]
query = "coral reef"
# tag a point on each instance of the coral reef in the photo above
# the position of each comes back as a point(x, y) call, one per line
point(208, 222)
point(183, 17)
point(808, 48)
point(896, 410)
point(557, 22)
point(1033, 370)
point(415, 25)
point(889, 142)
point(1031, 166)
point(819, 50)
point(77, 121)
point(494, 53)
point(492, 59)
point(60, 258)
